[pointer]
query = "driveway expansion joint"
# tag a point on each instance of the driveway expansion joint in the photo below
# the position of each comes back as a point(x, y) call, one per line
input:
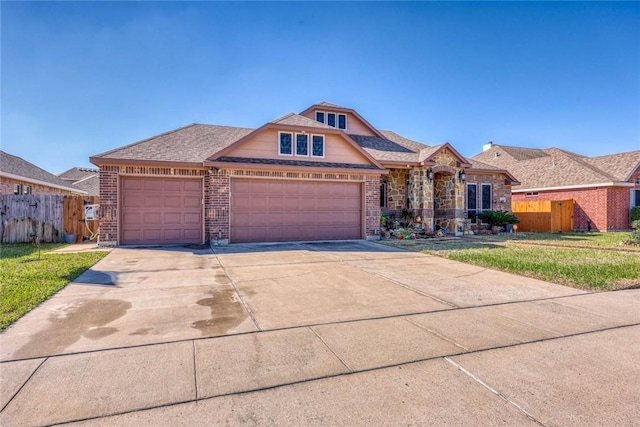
point(23, 384)
point(494, 391)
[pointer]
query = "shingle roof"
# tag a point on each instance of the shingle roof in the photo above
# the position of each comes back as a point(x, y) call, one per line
point(620, 165)
point(18, 166)
point(253, 160)
point(330, 105)
point(553, 167)
point(385, 149)
point(298, 120)
point(90, 184)
point(193, 144)
point(76, 173)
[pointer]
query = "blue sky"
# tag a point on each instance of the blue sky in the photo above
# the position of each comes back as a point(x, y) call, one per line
point(80, 78)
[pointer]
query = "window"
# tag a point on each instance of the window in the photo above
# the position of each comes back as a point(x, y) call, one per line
point(317, 146)
point(27, 189)
point(342, 121)
point(286, 146)
point(383, 194)
point(302, 144)
point(331, 119)
point(486, 197)
point(338, 120)
point(637, 198)
point(17, 189)
point(531, 194)
point(472, 201)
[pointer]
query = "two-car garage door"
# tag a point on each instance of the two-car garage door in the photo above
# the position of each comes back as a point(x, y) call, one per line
point(278, 210)
point(169, 210)
point(160, 211)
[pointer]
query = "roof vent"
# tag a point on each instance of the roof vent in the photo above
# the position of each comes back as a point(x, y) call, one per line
point(487, 146)
point(496, 155)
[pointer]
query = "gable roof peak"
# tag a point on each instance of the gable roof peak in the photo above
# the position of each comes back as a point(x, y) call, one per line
point(331, 105)
point(294, 119)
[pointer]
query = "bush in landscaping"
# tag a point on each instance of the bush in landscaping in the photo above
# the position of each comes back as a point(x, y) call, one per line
point(634, 237)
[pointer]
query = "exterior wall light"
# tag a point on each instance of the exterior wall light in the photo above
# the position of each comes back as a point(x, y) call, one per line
point(462, 176)
point(429, 174)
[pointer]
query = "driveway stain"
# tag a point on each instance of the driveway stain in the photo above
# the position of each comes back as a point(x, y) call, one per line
point(83, 319)
point(226, 312)
point(141, 331)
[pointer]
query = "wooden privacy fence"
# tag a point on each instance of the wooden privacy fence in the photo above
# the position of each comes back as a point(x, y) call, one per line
point(47, 216)
point(544, 216)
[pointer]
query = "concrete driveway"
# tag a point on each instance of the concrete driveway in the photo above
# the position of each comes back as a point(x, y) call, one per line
point(345, 333)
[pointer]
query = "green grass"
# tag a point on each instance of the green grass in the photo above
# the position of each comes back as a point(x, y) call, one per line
point(602, 240)
point(26, 279)
point(594, 269)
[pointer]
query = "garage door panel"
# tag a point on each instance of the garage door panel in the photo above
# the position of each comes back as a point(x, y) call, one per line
point(192, 202)
point(264, 210)
point(161, 210)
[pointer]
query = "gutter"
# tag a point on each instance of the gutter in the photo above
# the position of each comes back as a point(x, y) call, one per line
point(38, 182)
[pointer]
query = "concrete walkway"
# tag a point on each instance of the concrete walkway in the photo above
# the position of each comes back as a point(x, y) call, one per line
point(348, 333)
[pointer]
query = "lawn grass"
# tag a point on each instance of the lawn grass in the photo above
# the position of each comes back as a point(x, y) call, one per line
point(27, 279)
point(601, 240)
point(593, 269)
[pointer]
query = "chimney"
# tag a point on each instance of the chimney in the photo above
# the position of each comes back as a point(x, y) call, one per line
point(487, 146)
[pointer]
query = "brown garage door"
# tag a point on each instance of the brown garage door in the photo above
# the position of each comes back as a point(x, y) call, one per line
point(280, 211)
point(160, 211)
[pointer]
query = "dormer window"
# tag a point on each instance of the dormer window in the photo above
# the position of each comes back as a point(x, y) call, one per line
point(336, 120)
point(302, 144)
point(285, 147)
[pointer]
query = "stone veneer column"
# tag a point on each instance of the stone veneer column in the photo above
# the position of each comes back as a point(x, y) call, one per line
point(217, 205)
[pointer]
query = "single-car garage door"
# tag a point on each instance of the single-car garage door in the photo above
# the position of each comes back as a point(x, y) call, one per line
point(280, 211)
point(160, 211)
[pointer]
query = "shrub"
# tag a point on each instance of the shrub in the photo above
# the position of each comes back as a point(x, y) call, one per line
point(635, 214)
point(634, 238)
point(498, 218)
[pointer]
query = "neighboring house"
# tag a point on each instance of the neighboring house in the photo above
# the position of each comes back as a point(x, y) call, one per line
point(86, 179)
point(603, 188)
point(323, 174)
point(17, 176)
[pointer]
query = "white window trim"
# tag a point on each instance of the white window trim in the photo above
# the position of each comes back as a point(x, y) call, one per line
point(280, 153)
point(27, 189)
point(295, 145)
point(324, 146)
point(326, 119)
point(17, 189)
point(466, 196)
point(490, 198)
point(338, 122)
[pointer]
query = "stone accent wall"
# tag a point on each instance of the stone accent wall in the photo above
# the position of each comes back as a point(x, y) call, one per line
point(396, 184)
point(446, 158)
point(6, 187)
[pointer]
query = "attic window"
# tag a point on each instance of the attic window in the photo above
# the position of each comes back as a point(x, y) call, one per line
point(285, 146)
point(338, 120)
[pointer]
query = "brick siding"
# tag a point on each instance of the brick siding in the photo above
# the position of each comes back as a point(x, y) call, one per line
point(6, 187)
point(217, 205)
point(606, 208)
